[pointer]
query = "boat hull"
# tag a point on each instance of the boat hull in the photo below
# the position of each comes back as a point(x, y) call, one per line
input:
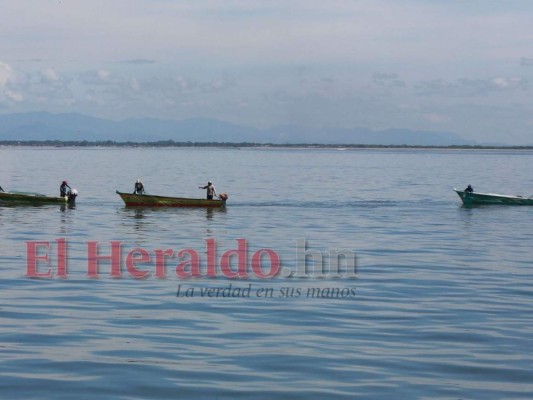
point(144, 200)
point(490, 199)
point(22, 198)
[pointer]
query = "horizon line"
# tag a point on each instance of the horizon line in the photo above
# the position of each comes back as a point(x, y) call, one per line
point(216, 144)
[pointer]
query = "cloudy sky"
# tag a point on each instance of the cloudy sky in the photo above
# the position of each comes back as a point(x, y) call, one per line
point(463, 66)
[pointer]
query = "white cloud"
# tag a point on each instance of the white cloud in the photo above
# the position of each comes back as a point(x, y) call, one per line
point(510, 83)
point(387, 80)
point(95, 77)
point(436, 118)
point(7, 80)
point(138, 61)
point(467, 87)
point(103, 74)
point(182, 82)
point(50, 74)
point(6, 74)
point(17, 97)
point(135, 85)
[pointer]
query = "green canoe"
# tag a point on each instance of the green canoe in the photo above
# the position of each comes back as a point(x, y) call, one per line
point(29, 198)
point(475, 198)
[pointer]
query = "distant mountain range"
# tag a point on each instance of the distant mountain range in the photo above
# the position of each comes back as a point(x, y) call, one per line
point(40, 126)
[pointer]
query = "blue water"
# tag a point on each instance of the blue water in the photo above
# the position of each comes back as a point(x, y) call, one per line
point(440, 308)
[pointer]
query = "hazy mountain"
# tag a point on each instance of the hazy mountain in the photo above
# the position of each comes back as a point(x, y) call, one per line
point(294, 134)
point(78, 127)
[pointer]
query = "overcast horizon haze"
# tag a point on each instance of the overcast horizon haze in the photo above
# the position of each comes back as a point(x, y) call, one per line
point(464, 67)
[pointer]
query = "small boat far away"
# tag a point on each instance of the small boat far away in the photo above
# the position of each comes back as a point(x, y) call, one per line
point(474, 198)
point(146, 200)
point(36, 199)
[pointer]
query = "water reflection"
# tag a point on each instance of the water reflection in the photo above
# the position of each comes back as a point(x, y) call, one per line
point(66, 218)
point(65, 207)
point(178, 222)
point(25, 204)
point(140, 213)
point(210, 212)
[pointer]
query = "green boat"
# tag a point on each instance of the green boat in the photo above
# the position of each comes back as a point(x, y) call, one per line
point(146, 200)
point(36, 199)
point(474, 198)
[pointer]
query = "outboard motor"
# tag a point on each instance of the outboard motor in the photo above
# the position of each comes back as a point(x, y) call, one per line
point(72, 196)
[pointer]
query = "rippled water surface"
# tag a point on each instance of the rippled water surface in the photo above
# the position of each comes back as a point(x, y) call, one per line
point(441, 306)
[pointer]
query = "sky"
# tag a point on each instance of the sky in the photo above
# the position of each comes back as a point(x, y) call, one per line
point(462, 66)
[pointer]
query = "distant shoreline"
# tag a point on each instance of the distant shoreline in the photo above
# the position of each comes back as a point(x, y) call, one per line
point(171, 143)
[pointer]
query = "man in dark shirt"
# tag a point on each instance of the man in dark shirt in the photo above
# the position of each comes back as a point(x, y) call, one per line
point(63, 192)
point(139, 187)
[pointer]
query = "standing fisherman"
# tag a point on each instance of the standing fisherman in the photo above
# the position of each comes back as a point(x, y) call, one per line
point(63, 192)
point(139, 187)
point(211, 191)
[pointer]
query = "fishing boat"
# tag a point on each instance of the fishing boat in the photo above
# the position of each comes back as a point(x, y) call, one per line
point(146, 200)
point(474, 198)
point(36, 199)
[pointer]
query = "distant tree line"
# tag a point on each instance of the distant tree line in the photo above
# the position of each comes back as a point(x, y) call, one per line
point(171, 143)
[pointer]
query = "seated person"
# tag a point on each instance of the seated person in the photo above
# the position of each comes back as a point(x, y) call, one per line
point(469, 189)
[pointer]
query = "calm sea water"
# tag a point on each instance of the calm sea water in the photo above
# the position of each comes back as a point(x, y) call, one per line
point(441, 308)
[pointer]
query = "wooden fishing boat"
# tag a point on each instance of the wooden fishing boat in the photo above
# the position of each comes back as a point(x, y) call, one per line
point(146, 200)
point(474, 198)
point(34, 198)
